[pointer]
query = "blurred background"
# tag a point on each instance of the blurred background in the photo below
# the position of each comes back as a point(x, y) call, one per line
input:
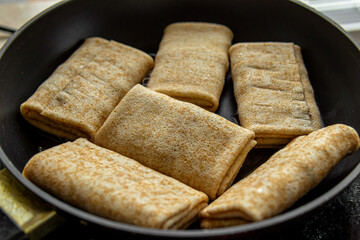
point(14, 13)
point(344, 12)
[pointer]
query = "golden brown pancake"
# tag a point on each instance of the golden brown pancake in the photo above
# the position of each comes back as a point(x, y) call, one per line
point(110, 185)
point(288, 175)
point(273, 92)
point(192, 62)
point(80, 94)
point(179, 139)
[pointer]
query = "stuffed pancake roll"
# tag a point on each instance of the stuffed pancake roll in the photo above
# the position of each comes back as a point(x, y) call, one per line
point(273, 92)
point(284, 178)
point(192, 62)
point(80, 94)
point(179, 139)
point(110, 185)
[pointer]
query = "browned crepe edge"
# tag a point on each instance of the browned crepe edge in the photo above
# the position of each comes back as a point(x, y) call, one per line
point(272, 142)
point(235, 168)
point(308, 90)
point(200, 24)
point(184, 219)
point(207, 223)
point(57, 128)
point(199, 98)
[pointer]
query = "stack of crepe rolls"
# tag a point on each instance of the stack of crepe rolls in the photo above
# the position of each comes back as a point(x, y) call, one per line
point(273, 92)
point(113, 186)
point(179, 139)
point(192, 62)
point(283, 179)
point(80, 94)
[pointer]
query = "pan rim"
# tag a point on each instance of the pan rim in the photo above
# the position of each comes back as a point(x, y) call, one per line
point(330, 21)
point(190, 233)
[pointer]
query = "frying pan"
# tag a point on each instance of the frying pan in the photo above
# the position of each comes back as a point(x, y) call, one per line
point(34, 51)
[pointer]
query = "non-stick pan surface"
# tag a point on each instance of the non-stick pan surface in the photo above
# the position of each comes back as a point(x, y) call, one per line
point(33, 52)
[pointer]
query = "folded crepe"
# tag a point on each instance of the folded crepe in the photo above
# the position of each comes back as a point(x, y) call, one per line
point(283, 179)
point(273, 92)
point(192, 62)
point(80, 94)
point(110, 185)
point(179, 139)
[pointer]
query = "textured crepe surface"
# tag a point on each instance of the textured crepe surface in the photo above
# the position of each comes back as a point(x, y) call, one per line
point(179, 139)
point(113, 186)
point(285, 177)
point(192, 62)
point(77, 98)
point(273, 92)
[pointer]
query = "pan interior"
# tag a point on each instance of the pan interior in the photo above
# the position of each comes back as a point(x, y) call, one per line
point(33, 52)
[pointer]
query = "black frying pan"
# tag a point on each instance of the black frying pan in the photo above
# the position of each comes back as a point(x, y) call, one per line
point(34, 51)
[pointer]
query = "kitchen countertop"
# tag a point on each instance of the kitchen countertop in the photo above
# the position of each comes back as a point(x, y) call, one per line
point(338, 219)
point(15, 14)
